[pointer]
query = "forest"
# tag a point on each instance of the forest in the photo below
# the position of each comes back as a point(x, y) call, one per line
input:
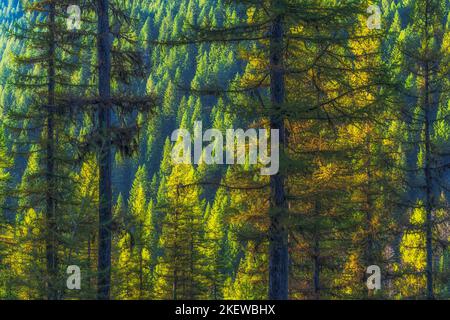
point(355, 96)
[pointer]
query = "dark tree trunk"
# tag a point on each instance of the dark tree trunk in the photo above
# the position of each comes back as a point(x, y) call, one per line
point(316, 250)
point(89, 262)
point(316, 275)
point(278, 235)
point(429, 195)
point(50, 212)
point(428, 158)
point(369, 208)
point(104, 120)
point(428, 190)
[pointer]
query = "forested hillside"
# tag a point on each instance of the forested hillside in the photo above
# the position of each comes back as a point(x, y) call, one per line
point(364, 175)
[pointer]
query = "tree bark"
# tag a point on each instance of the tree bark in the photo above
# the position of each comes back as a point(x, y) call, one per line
point(428, 159)
point(278, 235)
point(316, 249)
point(369, 208)
point(104, 120)
point(50, 212)
point(428, 191)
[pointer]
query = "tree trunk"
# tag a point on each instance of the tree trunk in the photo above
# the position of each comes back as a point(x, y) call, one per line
point(89, 262)
point(369, 253)
point(104, 120)
point(50, 212)
point(278, 235)
point(428, 159)
point(316, 276)
point(428, 191)
point(141, 272)
point(316, 249)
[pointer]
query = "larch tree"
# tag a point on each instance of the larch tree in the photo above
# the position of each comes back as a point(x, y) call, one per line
point(180, 269)
point(44, 69)
point(118, 66)
point(269, 32)
point(424, 99)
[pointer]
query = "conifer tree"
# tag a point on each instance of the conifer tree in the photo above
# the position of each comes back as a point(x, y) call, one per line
point(133, 279)
point(428, 66)
point(118, 66)
point(319, 30)
point(43, 72)
point(180, 270)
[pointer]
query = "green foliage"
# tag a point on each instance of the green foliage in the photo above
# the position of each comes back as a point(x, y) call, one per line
point(354, 161)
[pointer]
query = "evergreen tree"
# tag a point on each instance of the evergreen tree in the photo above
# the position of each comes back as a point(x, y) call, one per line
point(43, 73)
point(422, 104)
point(180, 271)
